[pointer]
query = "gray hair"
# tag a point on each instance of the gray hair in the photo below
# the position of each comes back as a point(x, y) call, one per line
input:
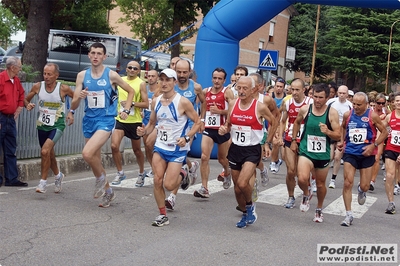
point(253, 83)
point(361, 94)
point(56, 67)
point(259, 78)
point(12, 61)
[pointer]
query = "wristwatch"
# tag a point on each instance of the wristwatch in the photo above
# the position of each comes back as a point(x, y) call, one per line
point(187, 138)
point(133, 104)
point(376, 144)
point(269, 145)
point(126, 111)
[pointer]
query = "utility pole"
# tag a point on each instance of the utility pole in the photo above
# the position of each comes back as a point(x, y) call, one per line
point(315, 45)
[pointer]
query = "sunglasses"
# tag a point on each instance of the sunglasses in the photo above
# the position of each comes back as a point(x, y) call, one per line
point(381, 103)
point(280, 80)
point(131, 67)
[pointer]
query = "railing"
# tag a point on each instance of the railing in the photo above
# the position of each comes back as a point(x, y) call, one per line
point(71, 142)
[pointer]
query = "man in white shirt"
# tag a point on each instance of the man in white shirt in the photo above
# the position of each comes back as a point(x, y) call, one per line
point(342, 105)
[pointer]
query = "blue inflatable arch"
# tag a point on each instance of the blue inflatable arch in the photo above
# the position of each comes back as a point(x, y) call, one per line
point(230, 21)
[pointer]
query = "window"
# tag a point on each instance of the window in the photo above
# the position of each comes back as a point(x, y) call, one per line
point(76, 44)
point(260, 45)
point(130, 51)
point(271, 31)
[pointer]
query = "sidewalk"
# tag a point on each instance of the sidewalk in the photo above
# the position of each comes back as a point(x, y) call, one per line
point(29, 169)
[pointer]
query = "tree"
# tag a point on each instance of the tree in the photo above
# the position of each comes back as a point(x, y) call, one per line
point(301, 37)
point(358, 44)
point(40, 15)
point(9, 25)
point(150, 20)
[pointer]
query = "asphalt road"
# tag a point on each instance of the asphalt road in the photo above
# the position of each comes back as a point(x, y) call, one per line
point(69, 229)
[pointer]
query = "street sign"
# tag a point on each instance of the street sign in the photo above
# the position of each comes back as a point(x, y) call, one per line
point(268, 60)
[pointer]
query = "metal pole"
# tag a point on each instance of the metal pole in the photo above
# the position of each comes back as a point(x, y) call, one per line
point(315, 46)
point(388, 61)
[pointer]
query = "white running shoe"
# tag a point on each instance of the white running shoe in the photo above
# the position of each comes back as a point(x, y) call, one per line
point(193, 172)
point(332, 184)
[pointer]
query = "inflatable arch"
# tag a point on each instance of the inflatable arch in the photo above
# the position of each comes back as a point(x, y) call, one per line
point(230, 21)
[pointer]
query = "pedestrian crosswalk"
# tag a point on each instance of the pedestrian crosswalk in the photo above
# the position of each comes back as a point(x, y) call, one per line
point(276, 195)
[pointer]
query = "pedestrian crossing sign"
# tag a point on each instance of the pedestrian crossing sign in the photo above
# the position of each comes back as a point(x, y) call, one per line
point(268, 60)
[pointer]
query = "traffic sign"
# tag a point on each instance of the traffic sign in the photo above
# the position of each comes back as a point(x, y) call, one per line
point(268, 60)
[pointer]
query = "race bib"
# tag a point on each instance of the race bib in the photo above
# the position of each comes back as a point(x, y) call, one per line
point(96, 99)
point(164, 134)
point(212, 120)
point(358, 135)
point(316, 144)
point(395, 139)
point(47, 116)
point(241, 135)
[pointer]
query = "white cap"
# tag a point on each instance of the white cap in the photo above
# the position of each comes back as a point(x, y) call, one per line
point(351, 93)
point(169, 73)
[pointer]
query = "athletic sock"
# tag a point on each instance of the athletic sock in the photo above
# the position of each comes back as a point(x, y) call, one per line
point(163, 211)
point(333, 177)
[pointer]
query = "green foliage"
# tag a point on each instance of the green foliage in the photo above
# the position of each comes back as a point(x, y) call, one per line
point(353, 41)
point(30, 74)
point(155, 21)
point(82, 15)
point(9, 24)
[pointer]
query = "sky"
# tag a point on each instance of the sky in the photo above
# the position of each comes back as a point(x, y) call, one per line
point(20, 36)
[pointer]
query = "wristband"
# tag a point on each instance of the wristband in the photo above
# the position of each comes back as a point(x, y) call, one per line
point(72, 111)
point(202, 120)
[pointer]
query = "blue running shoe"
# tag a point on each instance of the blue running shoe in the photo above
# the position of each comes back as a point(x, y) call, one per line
point(242, 223)
point(251, 214)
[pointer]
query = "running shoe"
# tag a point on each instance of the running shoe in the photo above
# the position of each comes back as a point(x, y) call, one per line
point(391, 209)
point(372, 185)
point(264, 177)
point(278, 165)
point(99, 187)
point(140, 179)
point(275, 166)
point(107, 198)
point(118, 178)
point(57, 182)
point(319, 217)
point(193, 172)
point(170, 202)
point(272, 167)
point(362, 196)
point(290, 203)
point(185, 177)
point(348, 220)
point(313, 185)
point(251, 214)
point(384, 175)
point(150, 174)
point(396, 190)
point(383, 166)
point(305, 204)
point(160, 220)
point(254, 194)
point(243, 222)
point(220, 177)
point(332, 184)
point(227, 181)
point(41, 188)
point(201, 193)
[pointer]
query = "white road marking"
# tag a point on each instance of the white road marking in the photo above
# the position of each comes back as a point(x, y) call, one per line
point(110, 178)
point(3, 193)
point(337, 206)
point(278, 195)
point(214, 186)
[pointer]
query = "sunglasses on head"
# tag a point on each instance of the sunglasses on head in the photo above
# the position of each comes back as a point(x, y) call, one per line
point(280, 80)
point(132, 67)
point(381, 103)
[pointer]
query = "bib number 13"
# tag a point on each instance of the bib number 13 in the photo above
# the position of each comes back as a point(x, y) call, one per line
point(316, 144)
